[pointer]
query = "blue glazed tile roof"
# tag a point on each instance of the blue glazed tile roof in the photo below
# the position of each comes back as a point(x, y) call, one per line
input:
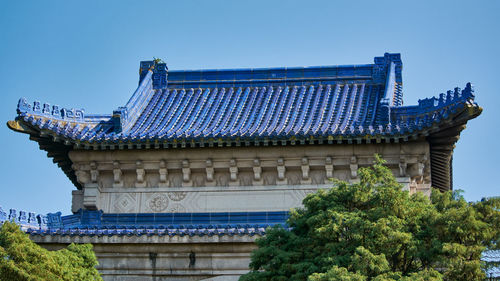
point(254, 105)
point(95, 223)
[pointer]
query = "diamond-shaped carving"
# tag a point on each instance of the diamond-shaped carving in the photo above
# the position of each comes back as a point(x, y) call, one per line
point(125, 203)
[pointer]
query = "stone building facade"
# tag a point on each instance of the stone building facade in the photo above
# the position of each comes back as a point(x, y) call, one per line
point(178, 183)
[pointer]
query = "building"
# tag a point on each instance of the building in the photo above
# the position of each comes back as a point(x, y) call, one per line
point(178, 183)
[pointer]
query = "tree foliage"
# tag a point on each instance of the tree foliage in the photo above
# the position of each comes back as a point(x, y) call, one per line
point(373, 230)
point(21, 259)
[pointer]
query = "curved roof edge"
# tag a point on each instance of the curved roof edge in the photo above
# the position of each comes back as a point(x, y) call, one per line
point(402, 122)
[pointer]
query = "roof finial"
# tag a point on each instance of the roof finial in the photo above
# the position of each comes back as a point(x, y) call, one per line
point(159, 69)
point(157, 60)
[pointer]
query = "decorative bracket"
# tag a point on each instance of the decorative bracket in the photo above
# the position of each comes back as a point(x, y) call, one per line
point(141, 174)
point(329, 167)
point(419, 179)
point(81, 175)
point(233, 171)
point(186, 173)
point(117, 175)
point(306, 179)
point(94, 173)
point(257, 172)
point(402, 167)
point(209, 169)
point(163, 174)
point(354, 167)
point(281, 172)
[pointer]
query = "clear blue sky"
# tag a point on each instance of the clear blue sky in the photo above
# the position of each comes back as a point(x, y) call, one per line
point(86, 54)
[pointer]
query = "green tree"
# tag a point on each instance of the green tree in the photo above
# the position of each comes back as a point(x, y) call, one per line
point(373, 230)
point(21, 259)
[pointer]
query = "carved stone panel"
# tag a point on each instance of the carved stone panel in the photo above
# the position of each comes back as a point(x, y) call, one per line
point(124, 203)
point(222, 179)
point(175, 179)
point(318, 176)
point(293, 177)
point(157, 202)
point(269, 177)
point(198, 179)
point(177, 196)
point(246, 178)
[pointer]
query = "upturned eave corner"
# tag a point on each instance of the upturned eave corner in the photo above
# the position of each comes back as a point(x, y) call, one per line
point(442, 142)
point(19, 126)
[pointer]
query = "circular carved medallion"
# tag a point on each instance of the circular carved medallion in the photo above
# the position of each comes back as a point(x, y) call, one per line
point(158, 203)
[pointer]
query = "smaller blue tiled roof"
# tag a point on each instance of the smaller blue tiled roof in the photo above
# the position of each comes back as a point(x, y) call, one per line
point(171, 230)
point(95, 223)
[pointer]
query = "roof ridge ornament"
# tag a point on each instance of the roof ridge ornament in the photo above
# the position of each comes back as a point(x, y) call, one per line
point(382, 64)
point(125, 116)
point(50, 111)
point(159, 69)
point(27, 220)
point(457, 95)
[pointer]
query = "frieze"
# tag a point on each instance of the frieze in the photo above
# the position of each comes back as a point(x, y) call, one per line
point(295, 171)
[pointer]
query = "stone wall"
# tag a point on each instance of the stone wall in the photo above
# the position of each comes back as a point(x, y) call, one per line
point(127, 258)
point(271, 178)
